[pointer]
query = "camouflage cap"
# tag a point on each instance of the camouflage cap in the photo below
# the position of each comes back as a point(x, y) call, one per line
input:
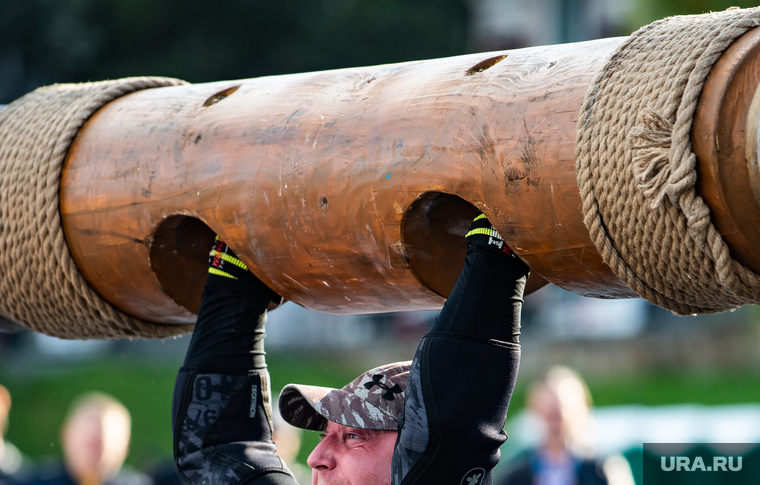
point(374, 400)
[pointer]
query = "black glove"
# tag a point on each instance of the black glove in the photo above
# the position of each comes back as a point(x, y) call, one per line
point(229, 334)
point(488, 304)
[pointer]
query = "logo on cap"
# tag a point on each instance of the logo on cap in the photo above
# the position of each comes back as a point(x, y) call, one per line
point(473, 477)
point(389, 391)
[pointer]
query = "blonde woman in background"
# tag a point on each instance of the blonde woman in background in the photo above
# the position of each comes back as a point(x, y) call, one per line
point(562, 401)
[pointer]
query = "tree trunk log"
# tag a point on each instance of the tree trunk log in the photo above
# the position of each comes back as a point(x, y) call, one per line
point(346, 191)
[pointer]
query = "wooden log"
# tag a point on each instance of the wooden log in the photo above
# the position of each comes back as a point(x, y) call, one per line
point(725, 137)
point(346, 191)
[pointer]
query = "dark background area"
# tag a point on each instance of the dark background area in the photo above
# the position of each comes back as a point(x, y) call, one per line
point(54, 41)
point(57, 41)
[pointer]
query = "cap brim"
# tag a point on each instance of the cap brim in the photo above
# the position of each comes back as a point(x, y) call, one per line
point(310, 407)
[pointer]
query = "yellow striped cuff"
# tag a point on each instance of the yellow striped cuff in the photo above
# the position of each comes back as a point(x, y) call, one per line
point(484, 231)
point(229, 259)
point(481, 216)
point(219, 272)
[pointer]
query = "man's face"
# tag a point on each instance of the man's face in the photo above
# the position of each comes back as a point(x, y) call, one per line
point(351, 456)
point(95, 442)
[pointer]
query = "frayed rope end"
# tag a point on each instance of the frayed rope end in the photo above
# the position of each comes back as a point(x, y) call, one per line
point(650, 147)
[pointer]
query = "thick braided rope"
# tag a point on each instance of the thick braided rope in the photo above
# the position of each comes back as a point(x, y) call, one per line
point(636, 169)
point(40, 285)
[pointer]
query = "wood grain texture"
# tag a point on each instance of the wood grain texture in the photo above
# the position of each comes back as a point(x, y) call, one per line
point(725, 140)
point(311, 177)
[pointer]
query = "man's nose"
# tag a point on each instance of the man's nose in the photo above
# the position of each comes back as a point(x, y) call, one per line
point(321, 458)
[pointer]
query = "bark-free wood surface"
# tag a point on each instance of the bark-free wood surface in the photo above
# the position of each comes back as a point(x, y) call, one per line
point(725, 140)
point(346, 191)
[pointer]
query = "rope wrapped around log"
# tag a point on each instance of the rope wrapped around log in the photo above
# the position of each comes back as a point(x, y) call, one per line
point(40, 283)
point(637, 172)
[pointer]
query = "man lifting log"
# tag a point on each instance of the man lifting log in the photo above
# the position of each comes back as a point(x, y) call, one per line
point(436, 420)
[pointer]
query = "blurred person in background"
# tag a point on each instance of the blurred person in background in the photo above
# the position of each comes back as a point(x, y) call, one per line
point(562, 401)
point(95, 438)
point(12, 463)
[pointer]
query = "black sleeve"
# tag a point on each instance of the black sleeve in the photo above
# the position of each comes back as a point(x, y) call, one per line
point(221, 411)
point(592, 472)
point(462, 378)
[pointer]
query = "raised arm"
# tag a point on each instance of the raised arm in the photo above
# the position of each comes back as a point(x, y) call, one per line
point(221, 413)
point(464, 372)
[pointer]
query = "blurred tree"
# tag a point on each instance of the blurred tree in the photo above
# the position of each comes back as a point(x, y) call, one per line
point(46, 41)
point(647, 11)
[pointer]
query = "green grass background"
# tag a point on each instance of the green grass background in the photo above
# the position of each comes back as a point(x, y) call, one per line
point(41, 394)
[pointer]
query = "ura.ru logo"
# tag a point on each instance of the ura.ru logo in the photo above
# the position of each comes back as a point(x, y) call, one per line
point(683, 463)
